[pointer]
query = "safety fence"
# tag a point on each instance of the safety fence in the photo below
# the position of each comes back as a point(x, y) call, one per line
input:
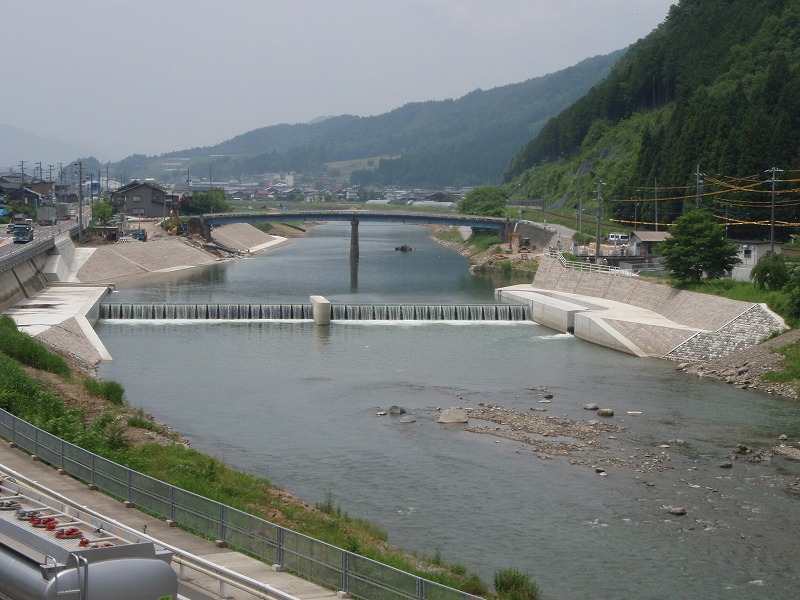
point(312, 559)
point(587, 265)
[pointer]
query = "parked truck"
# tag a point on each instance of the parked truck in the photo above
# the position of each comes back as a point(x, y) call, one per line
point(64, 211)
point(23, 232)
point(46, 215)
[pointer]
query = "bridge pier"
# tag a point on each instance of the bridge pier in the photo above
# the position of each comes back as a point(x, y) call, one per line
point(354, 238)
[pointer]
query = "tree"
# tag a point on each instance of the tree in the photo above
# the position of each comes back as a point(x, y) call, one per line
point(698, 246)
point(484, 201)
point(102, 214)
point(771, 272)
point(212, 201)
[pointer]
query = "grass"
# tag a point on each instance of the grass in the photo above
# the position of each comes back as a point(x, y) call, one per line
point(790, 374)
point(512, 584)
point(744, 291)
point(110, 390)
point(28, 350)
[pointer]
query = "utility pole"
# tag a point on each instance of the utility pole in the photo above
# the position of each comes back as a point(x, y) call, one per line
point(773, 170)
point(699, 185)
point(50, 181)
point(80, 199)
point(61, 182)
point(597, 251)
point(656, 195)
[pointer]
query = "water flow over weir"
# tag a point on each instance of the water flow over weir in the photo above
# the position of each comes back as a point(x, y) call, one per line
point(341, 312)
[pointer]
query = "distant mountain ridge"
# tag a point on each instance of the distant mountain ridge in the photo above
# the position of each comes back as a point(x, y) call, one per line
point(20, 145)
point(467, 141)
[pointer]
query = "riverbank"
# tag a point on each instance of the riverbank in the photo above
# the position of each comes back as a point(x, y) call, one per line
point(103, 262)
point(746, 368)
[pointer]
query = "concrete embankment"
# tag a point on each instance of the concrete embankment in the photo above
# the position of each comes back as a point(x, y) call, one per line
point(55, 296)
point(642, 318)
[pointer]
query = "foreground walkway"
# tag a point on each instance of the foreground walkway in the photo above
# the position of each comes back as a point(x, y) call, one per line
point(195, 586)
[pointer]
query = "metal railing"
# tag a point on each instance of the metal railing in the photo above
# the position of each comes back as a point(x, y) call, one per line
point(312, 559)
point(587, 265)
point(16, 254)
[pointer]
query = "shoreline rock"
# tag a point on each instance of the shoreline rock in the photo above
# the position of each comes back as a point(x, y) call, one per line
point(745, 368)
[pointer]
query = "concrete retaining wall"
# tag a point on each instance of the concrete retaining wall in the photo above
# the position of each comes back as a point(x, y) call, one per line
point(687, 308)
point(23, 281)
point(598, 331)
point(59, 259)
point(32, 276)
point(540, 237)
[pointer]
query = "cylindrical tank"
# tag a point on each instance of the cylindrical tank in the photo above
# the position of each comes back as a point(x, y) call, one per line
point(116, 579)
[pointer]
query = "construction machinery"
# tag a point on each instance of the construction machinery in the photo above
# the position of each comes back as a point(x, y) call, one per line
point(523, 243)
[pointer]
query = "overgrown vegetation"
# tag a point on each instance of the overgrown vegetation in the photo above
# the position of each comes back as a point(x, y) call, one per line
point(112, 391)
point(29, 351)
point(512, 584)
point(265, 227)
point(790, 374)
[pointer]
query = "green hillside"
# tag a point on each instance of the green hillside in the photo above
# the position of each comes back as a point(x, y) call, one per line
point(467, 141)
point(716, 86)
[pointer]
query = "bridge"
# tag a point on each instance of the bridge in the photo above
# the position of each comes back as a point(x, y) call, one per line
point(354, 217)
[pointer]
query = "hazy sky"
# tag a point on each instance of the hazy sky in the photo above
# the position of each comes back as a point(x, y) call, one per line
point(152, 76)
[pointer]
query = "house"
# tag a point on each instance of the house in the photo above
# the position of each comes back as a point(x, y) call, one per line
point(142, 199)
point(41, 188)
point(642, 243)
point(750, 251)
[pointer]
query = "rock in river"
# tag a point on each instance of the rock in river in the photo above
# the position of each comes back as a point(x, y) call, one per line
point(453, 415)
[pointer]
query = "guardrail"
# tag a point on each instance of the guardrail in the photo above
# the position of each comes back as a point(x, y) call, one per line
point(312, 559)
point(587, 265)
point(19, 253)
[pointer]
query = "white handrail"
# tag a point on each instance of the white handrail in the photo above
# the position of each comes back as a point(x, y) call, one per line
point(588, 266)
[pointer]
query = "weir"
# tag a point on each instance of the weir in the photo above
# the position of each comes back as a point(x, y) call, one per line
point(340, 312)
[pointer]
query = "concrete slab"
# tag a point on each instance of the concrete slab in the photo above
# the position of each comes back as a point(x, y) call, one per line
point(54, 306)
point(602, 321)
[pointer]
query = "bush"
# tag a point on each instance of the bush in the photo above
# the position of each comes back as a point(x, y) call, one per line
point(110, 390)
point(512, 584)
point(771, 272)
point(29, 351)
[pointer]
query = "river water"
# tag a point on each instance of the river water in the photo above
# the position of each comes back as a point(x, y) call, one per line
point(298, 403)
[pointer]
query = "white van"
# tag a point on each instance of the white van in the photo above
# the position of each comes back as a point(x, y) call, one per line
point(617, 238)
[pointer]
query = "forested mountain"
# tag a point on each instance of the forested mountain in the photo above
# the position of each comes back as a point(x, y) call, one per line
point(717, 85)
point(466, 141)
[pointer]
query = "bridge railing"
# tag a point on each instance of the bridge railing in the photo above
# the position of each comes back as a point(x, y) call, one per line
point(310, 558)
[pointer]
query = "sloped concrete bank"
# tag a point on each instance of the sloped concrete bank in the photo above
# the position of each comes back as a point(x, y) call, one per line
point(642, 318)
point(55, 297)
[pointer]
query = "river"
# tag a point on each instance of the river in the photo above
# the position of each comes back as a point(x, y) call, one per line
point(298, 403)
